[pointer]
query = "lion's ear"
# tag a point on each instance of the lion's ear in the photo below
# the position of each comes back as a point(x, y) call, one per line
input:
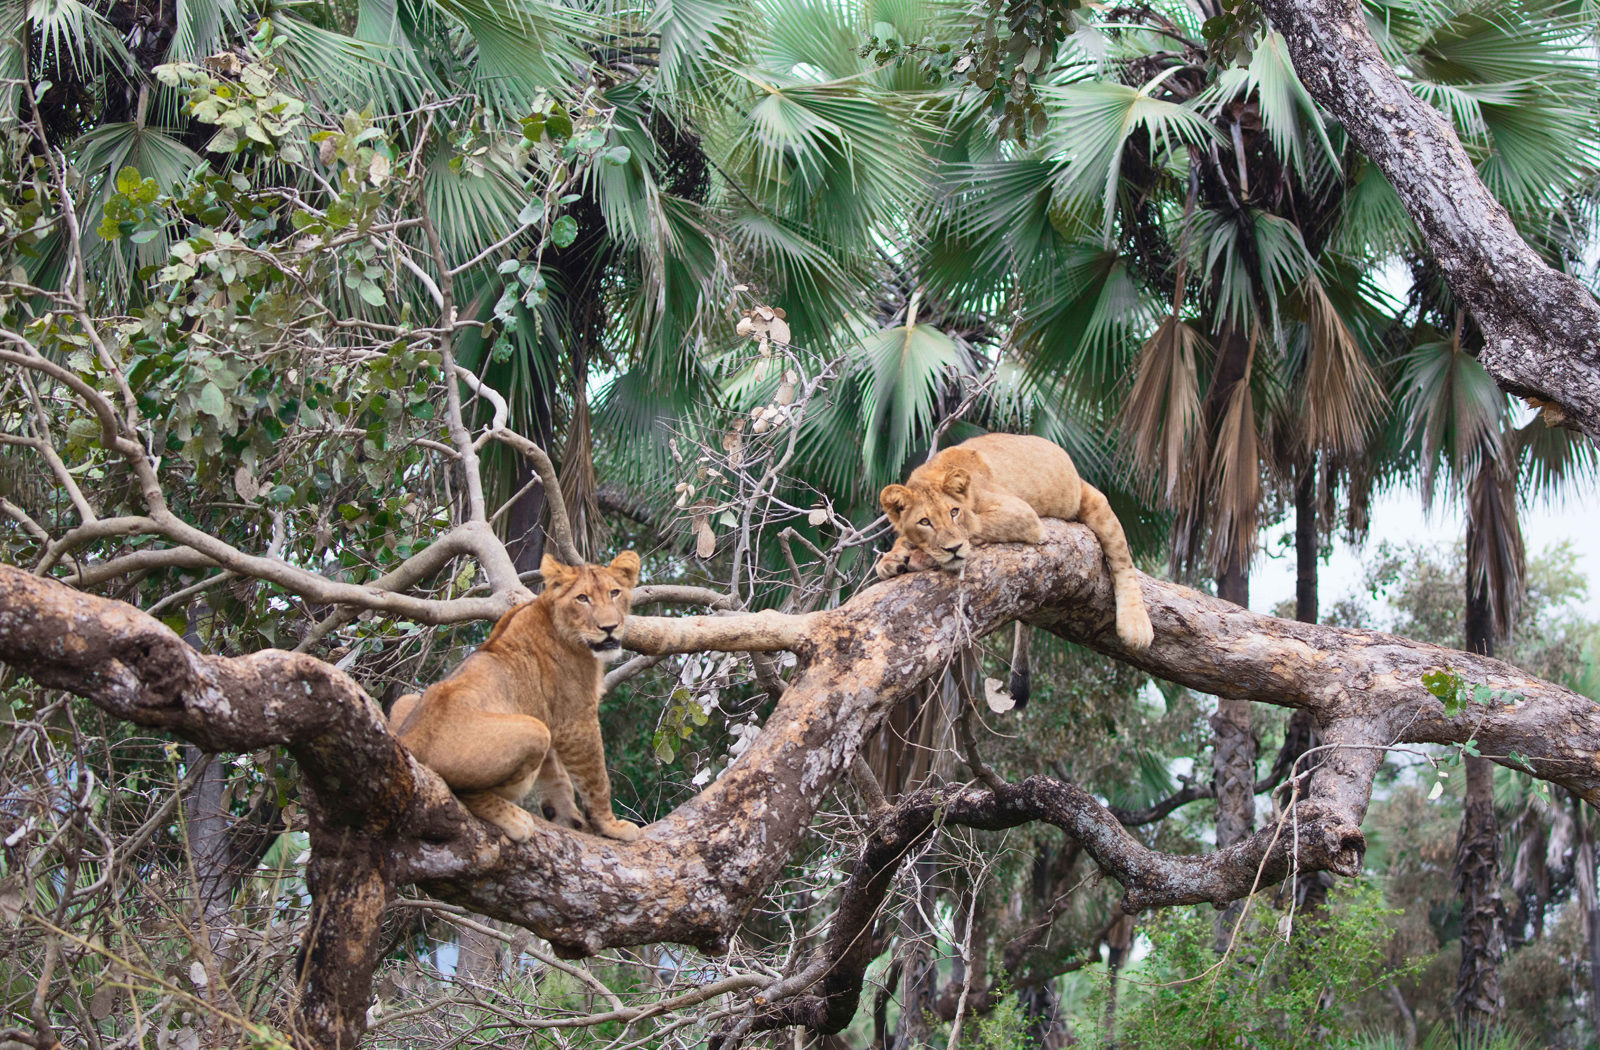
point(555, 574)
point(625, 567)
point(956, 482)
point(895, 500)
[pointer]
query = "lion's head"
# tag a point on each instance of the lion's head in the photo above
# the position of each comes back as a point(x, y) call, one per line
point(932, 516)
point(589, 602)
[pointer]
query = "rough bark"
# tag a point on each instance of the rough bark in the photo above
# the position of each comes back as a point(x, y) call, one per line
point(1233, 756)
point(1584, 872)
point(1306, 543)
point(1541, 327)
point(1479, 1001)
point(380, 820)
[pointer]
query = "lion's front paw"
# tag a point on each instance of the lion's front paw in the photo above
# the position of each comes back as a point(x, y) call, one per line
point(901, 559)
point(621, 830)
point(1133, 624)
point(516, 823)
point(892, 563)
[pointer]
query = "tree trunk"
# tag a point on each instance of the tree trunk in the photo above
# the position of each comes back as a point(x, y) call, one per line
point(920, 987)
point(1234, 756)
point(1119, 944)
point(1479, 1000)
point(524, 522)
point(1583, 874)
point(1306, 546)
point(1310, 888)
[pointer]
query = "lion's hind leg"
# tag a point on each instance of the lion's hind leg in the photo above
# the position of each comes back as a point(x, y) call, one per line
point(491, 761)
point(1133, 621)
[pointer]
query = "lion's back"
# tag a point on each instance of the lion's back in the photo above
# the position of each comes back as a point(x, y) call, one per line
point(1036, 470)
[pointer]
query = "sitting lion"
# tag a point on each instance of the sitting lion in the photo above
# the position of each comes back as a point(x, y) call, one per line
point(524, 709)
point(994, 489)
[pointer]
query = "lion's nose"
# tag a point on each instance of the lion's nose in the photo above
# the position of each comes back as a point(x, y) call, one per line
point(955, 549)
point(609, 628)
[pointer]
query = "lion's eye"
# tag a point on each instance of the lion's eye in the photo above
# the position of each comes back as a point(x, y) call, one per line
point(584, 598)
point(955, 512)
point(616, 594)
point(925, 523)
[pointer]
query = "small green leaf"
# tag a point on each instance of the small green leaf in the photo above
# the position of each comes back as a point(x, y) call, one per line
point(616, 156)
point(211, 402)
point(281, 494)
point(179, 622)
point(129, 181)
point(564, 231)
point(531, 213)
point(1441, 682)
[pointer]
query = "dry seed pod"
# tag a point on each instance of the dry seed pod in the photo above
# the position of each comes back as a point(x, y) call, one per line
point(705, 541)
point(244, 483)
point(745, 325)
point(817, 517)
point(785, 394)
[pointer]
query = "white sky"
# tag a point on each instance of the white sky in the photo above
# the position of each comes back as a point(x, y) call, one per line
point(1398, 517)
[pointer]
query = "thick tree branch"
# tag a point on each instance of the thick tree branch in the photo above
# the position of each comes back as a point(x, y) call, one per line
point(694, 874)
point(1541, 328)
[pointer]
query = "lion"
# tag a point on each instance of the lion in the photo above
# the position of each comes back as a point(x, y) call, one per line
point(994, 489)
point(524, 709)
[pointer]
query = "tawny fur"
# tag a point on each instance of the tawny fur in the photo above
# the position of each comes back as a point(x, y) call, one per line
point(524, 709)
point(994, 489)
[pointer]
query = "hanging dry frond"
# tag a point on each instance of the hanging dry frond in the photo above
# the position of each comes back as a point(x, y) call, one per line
point(1496, 560)
point(1235, 482)
point(1342, 394)
point(579, 484)
point(1161, 419)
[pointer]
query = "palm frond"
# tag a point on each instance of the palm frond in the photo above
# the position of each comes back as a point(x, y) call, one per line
point(906, 368)
point(1091, 123)
point(524, 48)
point(1496, 559)
point(1342, 395)
point(1288, 114)
point(1554, 459)
point(1453, 411)
point(1234, 484)
point(1160, 421)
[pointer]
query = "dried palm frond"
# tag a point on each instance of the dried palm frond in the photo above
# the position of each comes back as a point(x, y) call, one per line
point(1234, 486)
point(1496, 561)
point(579, 484)
point(1342, 394)
point(1160, 421)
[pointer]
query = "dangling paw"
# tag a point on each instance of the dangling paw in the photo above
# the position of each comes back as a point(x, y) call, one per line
point(1133, 621)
